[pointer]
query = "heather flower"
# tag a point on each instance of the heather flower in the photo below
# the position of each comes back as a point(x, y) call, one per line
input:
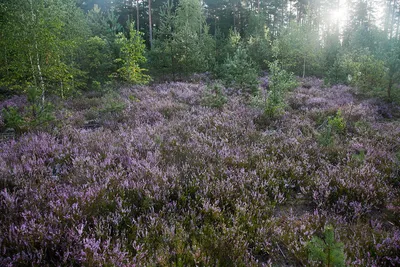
point(168, 179)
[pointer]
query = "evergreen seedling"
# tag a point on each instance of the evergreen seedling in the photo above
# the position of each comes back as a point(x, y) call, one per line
point(329, 252)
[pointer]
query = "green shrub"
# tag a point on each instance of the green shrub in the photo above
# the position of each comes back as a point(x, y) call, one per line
point(96, 85)
point(337, 123)
point(13, 118)
point(44, 116)
point(91, 114)
point(259, 46)
point(32, 117)
point(359, 157)
point(327, 251)
point(280, 81)
point(96, 60)
point(366, 72)
point(333, 125)
point(111, 104)
point(133, 98)
point(214, 96)
point(325, 138)
point(131, 56)
point(240, 72)
point(336, 74)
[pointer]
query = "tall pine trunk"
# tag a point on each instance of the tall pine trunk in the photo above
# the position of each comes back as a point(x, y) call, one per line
point(387, 15)
point(398, 21)
point(137, 15)
point(5, 59)
point(389, 88)
point(392, 19)
point(150, 27)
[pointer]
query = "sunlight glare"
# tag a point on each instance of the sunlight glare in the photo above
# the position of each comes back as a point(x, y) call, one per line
point(339, 15)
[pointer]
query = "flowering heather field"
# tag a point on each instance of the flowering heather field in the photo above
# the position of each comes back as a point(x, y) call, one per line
point(164, 180)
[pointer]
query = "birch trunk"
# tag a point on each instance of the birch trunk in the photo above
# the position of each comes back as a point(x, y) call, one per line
point(39, 69)
point(33, 69)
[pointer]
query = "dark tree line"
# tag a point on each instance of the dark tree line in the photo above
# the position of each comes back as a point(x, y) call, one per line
point(61, 47)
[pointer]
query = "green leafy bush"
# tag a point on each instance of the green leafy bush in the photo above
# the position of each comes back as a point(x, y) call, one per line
point(30, 115)
point(366, 72)
point(96, 60)
point(44, 116)
point(182, 44)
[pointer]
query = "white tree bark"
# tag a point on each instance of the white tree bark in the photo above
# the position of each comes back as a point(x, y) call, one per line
point(39, 69)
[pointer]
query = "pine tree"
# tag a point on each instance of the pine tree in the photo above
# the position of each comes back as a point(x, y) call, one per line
point(327, 250)
point(131, 56)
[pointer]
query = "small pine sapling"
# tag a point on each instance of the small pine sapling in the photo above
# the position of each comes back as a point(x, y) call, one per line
point(329, 252)
point(280, 81)
point(337, 123)
point(214, 96)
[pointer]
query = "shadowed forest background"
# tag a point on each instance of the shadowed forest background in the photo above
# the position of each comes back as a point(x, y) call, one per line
point(65, 47)
point(199, 133)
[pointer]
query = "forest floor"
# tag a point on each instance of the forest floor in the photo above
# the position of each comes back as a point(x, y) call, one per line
point(149, 176)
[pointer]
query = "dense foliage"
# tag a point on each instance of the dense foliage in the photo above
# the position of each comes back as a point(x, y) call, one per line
point(64, 47)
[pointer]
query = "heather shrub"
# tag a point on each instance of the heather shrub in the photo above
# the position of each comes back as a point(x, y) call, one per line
point(167, 181)
point(91, 114)
point(388, 250)
point(82, 102)
point(362, 127)
point(359, 157)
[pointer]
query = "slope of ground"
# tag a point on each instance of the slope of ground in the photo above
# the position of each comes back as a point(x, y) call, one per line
point(151, 177)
